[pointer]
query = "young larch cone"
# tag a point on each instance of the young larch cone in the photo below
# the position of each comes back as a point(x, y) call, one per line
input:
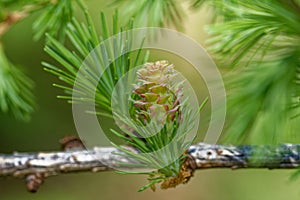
point(156, 96)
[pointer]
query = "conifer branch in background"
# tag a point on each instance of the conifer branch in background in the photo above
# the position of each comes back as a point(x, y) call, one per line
point(256, 42)
point(16, 89)
point(157, 13)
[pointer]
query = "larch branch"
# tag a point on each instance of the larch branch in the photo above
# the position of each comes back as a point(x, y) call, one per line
point(104, 159)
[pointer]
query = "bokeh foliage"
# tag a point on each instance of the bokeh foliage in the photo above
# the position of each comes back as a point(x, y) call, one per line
point(258, 41)
point(53, 16)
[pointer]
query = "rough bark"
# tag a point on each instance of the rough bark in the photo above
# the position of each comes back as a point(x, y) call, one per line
point(103, 159)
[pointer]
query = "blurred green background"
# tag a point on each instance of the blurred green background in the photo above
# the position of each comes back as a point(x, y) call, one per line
point(53, 120)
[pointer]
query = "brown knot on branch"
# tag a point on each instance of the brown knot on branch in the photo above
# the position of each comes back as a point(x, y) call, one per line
point(187, 171)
